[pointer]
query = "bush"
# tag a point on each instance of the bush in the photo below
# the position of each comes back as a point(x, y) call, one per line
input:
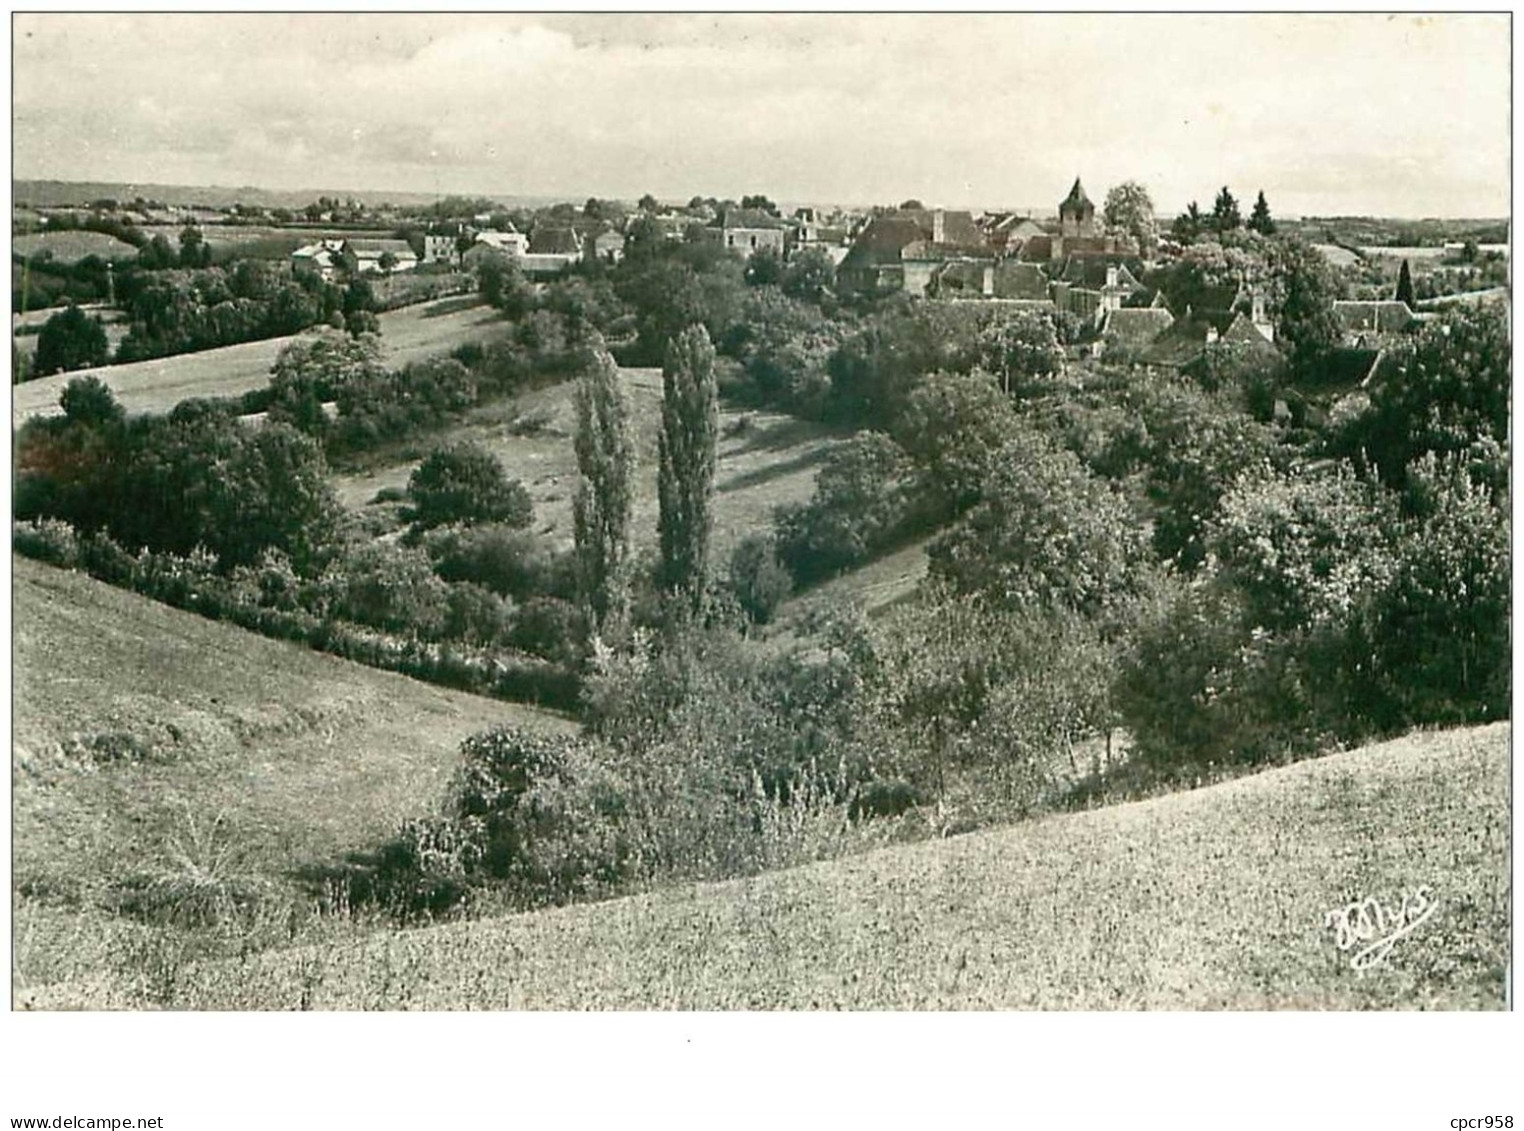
point(508, 561)
point(465, 483)
point(757, 578)
point(542, 814)
point(549, 627)
point(47, 540)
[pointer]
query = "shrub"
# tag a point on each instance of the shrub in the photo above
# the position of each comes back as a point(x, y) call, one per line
point(757, 578)
point(47, 540)
point(465, 483)
point(549, 627)
point(541, 813)
point(508, 561)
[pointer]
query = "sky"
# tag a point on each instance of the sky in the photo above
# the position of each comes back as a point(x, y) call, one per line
point(1327, 114)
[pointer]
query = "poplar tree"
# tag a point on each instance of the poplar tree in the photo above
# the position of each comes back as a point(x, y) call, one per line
point(1405, 284)
point(690, 418)
point(601, 510)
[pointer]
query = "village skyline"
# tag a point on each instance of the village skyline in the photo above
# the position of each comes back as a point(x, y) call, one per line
point(850, 110)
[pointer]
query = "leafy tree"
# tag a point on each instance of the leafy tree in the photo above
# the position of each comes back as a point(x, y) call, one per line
point(465, 484)
point(1450, 396)
point(808, 275)
point(954, 425)
point(315, 370)
point(1405, 285)
point(199, 478)
point(1225, 214)
point(1259, 218)
point(1021, 350)
point(764, 268)
point(690, 419)
point(1130, 210)
point(1189, 224)
point(70, 339)
point(1046, 535)
point(194, 250)
point(865, 500)
point(757, 578)
point(912, 205)
point(649, 203)
point(157, 254)
point(88, 401)
point(759, 202)
point(1307, 322)
point(1439, 630)
point(605, 497)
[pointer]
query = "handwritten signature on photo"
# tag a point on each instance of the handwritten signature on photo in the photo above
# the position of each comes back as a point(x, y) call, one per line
point(1375, 927)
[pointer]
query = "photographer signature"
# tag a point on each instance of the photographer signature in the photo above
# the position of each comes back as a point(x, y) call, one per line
point(1375, 927)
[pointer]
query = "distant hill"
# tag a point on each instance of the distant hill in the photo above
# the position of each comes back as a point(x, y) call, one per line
point(57, 194)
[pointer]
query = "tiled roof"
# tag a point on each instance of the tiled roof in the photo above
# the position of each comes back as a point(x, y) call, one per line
point(369, 248)
point(553, 240)
point(751, 218)
point(1137, 326)
point(1020, 280)
point(1386, 316)
point(1036, 249)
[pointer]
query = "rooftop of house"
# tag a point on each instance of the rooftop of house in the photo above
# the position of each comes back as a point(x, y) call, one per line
point(751, 218)
point(1020, 281)
point(368, 248)
point(1384, 315)
point(553, 239)
point(1137, 325)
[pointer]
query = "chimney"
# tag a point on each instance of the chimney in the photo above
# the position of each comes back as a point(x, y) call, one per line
point(1111, 275)
point(988, 288)
point(939, 226)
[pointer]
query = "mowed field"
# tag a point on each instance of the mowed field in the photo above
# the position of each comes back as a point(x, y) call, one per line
point(1212, 899)
point(769, 460)
point(141, 733)
point(408, 334)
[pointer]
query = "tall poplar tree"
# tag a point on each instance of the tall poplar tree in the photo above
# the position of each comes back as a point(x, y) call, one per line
point(601, 510)
point(690, 417)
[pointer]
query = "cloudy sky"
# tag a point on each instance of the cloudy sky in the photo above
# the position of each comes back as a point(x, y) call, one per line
point(1398, 116)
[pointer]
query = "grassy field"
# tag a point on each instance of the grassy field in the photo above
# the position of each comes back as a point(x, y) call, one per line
point(1212, 899)
point(72, 246)
point(408, 334)
point(138, 728)
point(770, 460)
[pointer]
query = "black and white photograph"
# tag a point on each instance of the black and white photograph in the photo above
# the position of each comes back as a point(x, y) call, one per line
point(760, 513)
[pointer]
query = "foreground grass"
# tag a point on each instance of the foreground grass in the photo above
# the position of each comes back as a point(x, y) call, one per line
point(1210, 899)
point(409, 334)
point(151, 745)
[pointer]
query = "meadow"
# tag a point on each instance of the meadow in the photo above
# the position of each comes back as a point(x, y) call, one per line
point(407, 334)
point(765, 459)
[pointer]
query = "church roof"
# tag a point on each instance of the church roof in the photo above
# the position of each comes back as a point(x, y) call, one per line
point(1076, 201)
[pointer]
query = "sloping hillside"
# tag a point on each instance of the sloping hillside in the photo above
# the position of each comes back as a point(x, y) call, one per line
point(137, 727)
point(1211, 899)
point(409, 334)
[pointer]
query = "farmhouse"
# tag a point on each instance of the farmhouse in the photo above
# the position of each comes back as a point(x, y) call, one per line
point(605, 247)
point(364, 257)
point(748, 230)
point(324, 259)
